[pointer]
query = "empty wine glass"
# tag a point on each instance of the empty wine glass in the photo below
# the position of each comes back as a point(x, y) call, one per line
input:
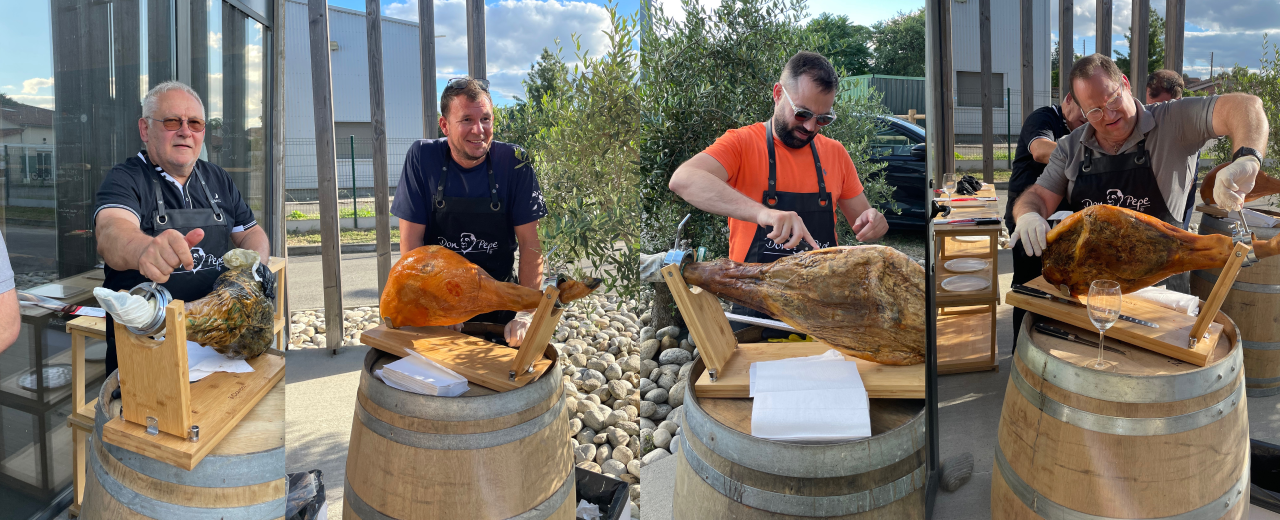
point(948, 185)
point(1104, 310)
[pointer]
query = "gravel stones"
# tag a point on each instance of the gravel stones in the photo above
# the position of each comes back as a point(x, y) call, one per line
point(655, 456)
point(662, 438)
point(675, 356)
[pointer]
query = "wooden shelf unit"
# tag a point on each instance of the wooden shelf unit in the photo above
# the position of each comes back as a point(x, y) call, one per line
point(967, 339)
point(967, 320)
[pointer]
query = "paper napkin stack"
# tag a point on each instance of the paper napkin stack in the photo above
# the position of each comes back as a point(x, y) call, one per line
point(816, 398)
point(415, 373)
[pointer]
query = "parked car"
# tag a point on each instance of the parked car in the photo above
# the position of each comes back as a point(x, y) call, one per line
point(900, 146)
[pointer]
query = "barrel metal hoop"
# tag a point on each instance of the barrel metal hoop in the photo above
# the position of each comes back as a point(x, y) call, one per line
point(455, 409)
point(1050, 510)
point(796, 505)
point(1123, 388)
point(539, 512)
point(153, 508)
point(1221, 227)
point(214, 471)
point(799, 460)
point(1261, 380)
point(467, 441)
point(1243, 286)
point(1261, 392)
point(1127, 426)
point(1261, 345)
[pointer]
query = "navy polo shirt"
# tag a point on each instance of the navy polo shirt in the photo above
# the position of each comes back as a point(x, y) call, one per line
point(513, 173)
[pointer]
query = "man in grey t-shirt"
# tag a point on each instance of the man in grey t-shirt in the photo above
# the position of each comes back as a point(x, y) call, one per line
point(1139, 157)
point(10, 321)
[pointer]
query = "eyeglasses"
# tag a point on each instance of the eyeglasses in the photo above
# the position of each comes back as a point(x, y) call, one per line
point(1113, 105)
point(804, 114)
point(173, 123)
point(463, 81)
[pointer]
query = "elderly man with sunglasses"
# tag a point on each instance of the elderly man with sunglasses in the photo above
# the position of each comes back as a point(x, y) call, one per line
point(153, 223)
point(780, 182)
point(1140, 157)
point(476, 196)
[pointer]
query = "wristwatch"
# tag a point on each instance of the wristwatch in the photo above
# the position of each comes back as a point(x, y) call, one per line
point(1245, 150)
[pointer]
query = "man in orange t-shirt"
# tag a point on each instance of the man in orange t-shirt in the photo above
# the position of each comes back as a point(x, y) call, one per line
point(782, 190)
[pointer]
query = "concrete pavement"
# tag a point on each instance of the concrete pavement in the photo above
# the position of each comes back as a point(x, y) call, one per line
point(359, 280)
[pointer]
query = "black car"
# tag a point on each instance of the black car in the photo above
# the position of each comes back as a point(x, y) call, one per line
point(900, 145)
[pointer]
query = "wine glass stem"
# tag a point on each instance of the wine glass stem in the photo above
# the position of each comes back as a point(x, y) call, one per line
point(1102, 333)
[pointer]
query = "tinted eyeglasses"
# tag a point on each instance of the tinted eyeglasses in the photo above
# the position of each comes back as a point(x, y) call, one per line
point(173, 123)
point(804, 114)
point(462, 83)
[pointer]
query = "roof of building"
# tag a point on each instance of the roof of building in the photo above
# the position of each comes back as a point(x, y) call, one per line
point(26, 115)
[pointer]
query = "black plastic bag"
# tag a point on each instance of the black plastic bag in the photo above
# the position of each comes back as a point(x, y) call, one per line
point(305, 500)
point(968, 185)
point(607, 492)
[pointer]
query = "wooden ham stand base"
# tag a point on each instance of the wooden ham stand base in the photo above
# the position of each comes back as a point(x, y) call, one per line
point(731, 362)
point(154, 384)
point(1182, 337)
point(493, 366)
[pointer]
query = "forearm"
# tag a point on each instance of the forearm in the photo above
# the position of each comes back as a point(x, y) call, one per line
point(10, 319)
point(530, 268)
point(1041, 149)
point(254, 239)
point(1249, 127)
point(411, 236)
point(121, 244)
point(1030, 201)
point(712, 195)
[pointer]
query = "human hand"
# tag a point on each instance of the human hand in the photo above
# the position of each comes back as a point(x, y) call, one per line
point(870, 225)
point(1234, 181)
point(516, 328)
point(166, 251)
point(788, 228)
point(1031, 229)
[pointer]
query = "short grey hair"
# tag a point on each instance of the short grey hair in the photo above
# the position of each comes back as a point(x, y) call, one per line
point(150, 103)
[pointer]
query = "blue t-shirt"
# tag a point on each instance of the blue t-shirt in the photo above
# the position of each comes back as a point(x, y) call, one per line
point(513, 173)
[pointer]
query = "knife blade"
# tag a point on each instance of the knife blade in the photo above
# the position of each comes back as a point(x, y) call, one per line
point(1047, 329)
point(1037, 293)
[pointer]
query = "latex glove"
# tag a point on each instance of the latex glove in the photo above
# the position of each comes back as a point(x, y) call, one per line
point(1031, 230)
point(515, 329)
point(1234, 182)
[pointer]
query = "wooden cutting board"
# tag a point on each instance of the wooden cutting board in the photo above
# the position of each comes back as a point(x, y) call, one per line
point(881, 381)
point(481, 362)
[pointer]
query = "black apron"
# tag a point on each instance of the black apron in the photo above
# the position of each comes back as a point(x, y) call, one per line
point(207, 254)
point(817, 210)
point(1125, 180)
point(479, 229)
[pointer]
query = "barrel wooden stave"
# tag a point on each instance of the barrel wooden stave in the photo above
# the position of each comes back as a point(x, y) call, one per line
point(405, 481)
point(153, 488)
point(846, 484)
point(1118, 476)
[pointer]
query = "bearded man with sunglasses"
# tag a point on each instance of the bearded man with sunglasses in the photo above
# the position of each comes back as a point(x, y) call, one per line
point(153, 223)
point(478, 197)
point(780, 182)
point(1140, 157)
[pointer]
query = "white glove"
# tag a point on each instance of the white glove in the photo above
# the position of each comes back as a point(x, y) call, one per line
point(1031, 229)
point(1234, 182)
point(515, 329)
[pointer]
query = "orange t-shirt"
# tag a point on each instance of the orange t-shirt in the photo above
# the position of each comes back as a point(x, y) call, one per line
point(742, 152)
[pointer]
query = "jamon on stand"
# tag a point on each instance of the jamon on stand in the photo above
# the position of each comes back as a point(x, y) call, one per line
point(434, 286)
point(1263, 186)
point(1110, 243)
point(865, 300)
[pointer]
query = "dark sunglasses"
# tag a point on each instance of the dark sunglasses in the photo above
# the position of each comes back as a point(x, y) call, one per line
point(462, 83)
point(804, 114)
point(173, 123)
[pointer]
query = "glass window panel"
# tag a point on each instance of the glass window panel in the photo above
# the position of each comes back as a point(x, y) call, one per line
point(237, 139)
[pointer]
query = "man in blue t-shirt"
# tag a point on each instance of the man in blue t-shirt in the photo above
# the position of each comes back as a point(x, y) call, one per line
point(475, 196)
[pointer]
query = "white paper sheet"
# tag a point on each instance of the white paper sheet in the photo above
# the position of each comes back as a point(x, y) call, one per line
point(815, 398)
point(826, 371)
point(415, 373)
point(203, 361)
point(1184, 303)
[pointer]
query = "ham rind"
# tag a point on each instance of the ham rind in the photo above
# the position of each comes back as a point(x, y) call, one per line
point(867, 301)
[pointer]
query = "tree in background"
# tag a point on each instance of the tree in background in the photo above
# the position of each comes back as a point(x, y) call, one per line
point(899, 45)
point(1053, 64)
point(848, 45)
point(1155, 48)
point(547, 76)
point(1265, 83)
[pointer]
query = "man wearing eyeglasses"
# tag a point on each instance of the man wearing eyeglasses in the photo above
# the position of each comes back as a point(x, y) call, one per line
point(475, 196)
point(780, 182)
point(166, 216)
point(1140, 157)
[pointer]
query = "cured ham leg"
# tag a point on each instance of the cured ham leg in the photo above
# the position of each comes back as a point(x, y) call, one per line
point(1263, 186)
point(434, 286)
point(1137, 250)
point(865, 300)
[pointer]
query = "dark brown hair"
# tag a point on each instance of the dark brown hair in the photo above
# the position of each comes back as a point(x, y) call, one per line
point(814, 65)
point(1091, 64)
point(473, 90)
point(1165, 81)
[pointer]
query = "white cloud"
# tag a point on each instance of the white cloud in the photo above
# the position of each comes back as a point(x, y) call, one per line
point(33, 85)
point(515, 33)
point(215, 40)
point(9, 87)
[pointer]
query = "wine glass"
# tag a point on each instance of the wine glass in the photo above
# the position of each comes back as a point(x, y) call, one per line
point(948, 185)
point(1104, 309)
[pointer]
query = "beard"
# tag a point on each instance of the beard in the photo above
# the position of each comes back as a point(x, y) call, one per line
point(784, 128)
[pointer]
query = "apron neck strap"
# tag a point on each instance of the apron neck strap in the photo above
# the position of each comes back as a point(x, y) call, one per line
point(771, 193)
point(438, 198)
point(208, 195)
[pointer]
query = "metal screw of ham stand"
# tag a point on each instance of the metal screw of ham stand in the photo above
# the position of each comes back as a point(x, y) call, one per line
point(194, 434)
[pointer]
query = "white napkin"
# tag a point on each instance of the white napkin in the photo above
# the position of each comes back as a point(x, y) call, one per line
point(588, 511)
point(203, 361)
point(815, 398)
point(1184, 303)
point(415, 373)
point(129, 310)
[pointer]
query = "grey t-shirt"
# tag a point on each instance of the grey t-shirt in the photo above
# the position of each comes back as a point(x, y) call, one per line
point(1175, 132)
point(6, 270)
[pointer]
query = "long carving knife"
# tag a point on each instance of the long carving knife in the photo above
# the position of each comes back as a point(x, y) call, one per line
point(1037, 293)
point(1045, 328)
